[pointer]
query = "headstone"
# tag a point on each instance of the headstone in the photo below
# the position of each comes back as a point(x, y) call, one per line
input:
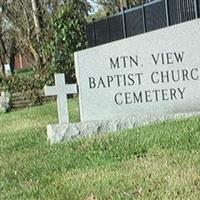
point(4, 102)
point(156, 73)
point(7, 69)
point(61, 90)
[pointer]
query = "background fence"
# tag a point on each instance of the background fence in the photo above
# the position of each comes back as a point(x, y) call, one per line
point(147, 17)
point(18, 100)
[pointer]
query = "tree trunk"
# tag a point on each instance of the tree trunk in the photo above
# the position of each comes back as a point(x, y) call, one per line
point(38, 22)
point(35, 9)
point(2, 68)
point(3, 54)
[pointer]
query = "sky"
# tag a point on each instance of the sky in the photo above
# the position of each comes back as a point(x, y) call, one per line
point(94, 5)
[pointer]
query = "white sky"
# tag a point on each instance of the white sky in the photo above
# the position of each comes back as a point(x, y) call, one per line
point(94, 5)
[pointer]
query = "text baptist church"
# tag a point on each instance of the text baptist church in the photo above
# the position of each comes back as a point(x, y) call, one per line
point(156, 77)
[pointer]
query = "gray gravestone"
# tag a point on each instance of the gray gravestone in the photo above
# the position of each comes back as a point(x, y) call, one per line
point(7, 69)
point(4, 102)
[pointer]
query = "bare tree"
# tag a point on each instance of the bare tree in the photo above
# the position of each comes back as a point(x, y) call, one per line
point(3, 52)
point(35, 10)
point(28, 21)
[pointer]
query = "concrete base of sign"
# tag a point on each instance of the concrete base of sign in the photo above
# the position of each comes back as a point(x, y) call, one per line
point(59, 132)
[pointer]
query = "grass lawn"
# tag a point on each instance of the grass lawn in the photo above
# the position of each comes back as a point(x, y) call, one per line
point(160, 161)
point(26, 72)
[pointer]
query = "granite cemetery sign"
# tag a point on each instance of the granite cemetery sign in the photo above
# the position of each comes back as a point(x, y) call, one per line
point(145, 78)
point(154, 73)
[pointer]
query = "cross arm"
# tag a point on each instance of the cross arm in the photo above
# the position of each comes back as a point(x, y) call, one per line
point(50, 90)
point(71, 88)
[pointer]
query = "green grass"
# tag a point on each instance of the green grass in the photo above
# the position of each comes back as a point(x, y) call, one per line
point(158, 161)
point(25, 72)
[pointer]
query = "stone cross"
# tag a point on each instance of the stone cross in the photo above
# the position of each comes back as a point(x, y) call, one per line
point(61, 90)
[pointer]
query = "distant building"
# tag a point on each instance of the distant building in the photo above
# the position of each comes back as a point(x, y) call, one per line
point(21, 62)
